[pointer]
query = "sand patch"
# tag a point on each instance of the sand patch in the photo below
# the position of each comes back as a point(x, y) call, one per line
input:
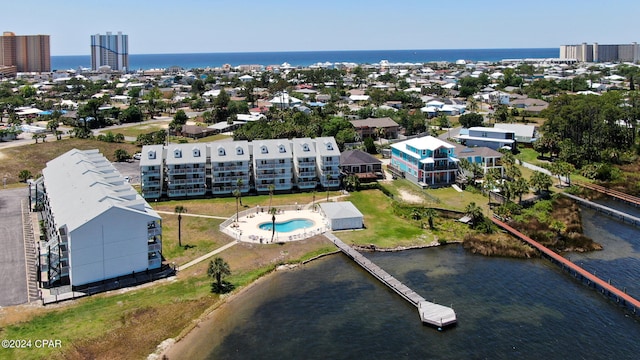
point(409, 197)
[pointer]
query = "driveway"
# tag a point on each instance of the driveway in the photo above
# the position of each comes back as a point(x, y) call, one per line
point(13, 274)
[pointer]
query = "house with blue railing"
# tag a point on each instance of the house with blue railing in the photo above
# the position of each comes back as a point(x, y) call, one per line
point(425, 161)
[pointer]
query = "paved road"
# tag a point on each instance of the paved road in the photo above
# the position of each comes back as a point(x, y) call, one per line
point(13, 276)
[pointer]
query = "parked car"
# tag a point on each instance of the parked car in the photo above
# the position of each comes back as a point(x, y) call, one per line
point(137, 156)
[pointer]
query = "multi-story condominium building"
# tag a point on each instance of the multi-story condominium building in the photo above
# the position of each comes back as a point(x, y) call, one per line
point(601, 53)
point(186, 170)
point(328, 160)
point(304, 161)
point(272, 165)
point(110, 50)
point(493, 138)
point(218, 168)
point(230, 167)
point(152, 171)
point(425, 161)
point(28, 53)
point(96, 225)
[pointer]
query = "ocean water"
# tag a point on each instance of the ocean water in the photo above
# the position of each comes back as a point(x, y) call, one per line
point(506, 308)
point(306, 58)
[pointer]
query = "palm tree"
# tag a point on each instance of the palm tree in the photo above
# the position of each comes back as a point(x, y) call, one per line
point(520, 187)
point(179, 210)
point(381, 132)
point(430, 213)
point(239, 184)
point(237, 193)
point(474, 212)
point(273, 212)
point(271, 188)
point(218, 268)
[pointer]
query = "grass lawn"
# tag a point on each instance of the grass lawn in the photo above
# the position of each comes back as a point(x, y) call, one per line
point(136, 130)
point(529, 155)
point(33, 157)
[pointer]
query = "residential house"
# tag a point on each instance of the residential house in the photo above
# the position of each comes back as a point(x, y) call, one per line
point(96, 225)
point(364, 166)
point(230, 163)
point(369, 128)
point(425, 161)
point(493, 138)
point(524, 133)
point(485, 157)
point(186, 170)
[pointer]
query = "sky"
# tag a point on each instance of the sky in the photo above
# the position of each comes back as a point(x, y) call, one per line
point(204, 26)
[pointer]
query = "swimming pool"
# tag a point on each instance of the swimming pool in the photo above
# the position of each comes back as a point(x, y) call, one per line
point(288, 226)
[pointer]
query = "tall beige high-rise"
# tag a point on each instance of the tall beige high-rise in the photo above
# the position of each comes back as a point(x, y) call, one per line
point(29, 53)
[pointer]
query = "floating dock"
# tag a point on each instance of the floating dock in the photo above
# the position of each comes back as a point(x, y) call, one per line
point(430, 313)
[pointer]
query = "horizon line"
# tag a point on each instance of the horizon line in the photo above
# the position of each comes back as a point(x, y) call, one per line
point(303, 51)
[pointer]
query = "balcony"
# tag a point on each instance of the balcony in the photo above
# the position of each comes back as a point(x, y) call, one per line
point(232, 168)
point(307, 184)
point(223, 189)
point(150, 183)
point(173, 171)
point(150, 194)
point(150, 173)
point(153, 247)
point(186, 181)
point(440, 155)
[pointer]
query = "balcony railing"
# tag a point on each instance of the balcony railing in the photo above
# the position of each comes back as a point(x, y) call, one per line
point(150, 183)
point(186, 181)
point(440, 155)
point(150, 194)
point(173, 171)
point(231, 168)
point(150, 173)
point(307, 184)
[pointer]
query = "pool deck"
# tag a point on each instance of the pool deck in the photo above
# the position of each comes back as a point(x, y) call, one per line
point(248, 227)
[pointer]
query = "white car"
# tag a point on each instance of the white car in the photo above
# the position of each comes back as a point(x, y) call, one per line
point(137, 156)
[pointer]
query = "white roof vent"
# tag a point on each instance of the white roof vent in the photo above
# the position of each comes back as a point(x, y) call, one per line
point(221, 151)
point(151, 154)
point(196, 152)
point(177, 153)
point(305, 147)
point(239, 150)
point(282, 148)
point(263, 149)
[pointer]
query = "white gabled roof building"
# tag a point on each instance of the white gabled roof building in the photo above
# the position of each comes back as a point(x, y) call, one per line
point(97, 226)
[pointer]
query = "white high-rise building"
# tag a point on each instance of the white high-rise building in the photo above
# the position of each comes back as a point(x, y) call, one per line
point(110, 50)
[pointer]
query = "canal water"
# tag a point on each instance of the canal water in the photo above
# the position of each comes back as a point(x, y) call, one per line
point(506, 308)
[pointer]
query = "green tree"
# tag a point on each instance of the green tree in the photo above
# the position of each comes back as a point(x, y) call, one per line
point(121, 155)
point(131, 114)
point(236, 193)
point(370, 146)
point(218, 269)
point(474, 212)
point(540, 182)
point(152, 97)
point(471, 119)
point(520, 187)
point(179, 209)
point(430, 213)
point(352, 182)
point(24, 175)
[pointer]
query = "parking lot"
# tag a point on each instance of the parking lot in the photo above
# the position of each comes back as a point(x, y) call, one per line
point(130, 169)
point(13, 274)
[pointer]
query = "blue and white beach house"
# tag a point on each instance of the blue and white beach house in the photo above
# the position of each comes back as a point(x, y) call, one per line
point(425, 161)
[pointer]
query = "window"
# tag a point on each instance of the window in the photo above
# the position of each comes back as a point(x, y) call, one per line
point(221, 151)
point(239, 151)
point(281, 148)
point(329, 146)
point(177, 153)
point(263, 149)
point(196, 152)
point(305, 147)
point(151, 154)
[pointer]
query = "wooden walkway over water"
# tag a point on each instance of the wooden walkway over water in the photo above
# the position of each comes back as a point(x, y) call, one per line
point(633, 200)
point(606, 210)
point(603, 286)
point(430, 313)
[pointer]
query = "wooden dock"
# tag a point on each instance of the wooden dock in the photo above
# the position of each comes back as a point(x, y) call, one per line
point(606, 210)
point(604, 287)
point(430, 313)
point(630, 199)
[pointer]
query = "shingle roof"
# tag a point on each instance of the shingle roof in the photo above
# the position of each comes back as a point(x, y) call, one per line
point(374, 122)
point(357, 157)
